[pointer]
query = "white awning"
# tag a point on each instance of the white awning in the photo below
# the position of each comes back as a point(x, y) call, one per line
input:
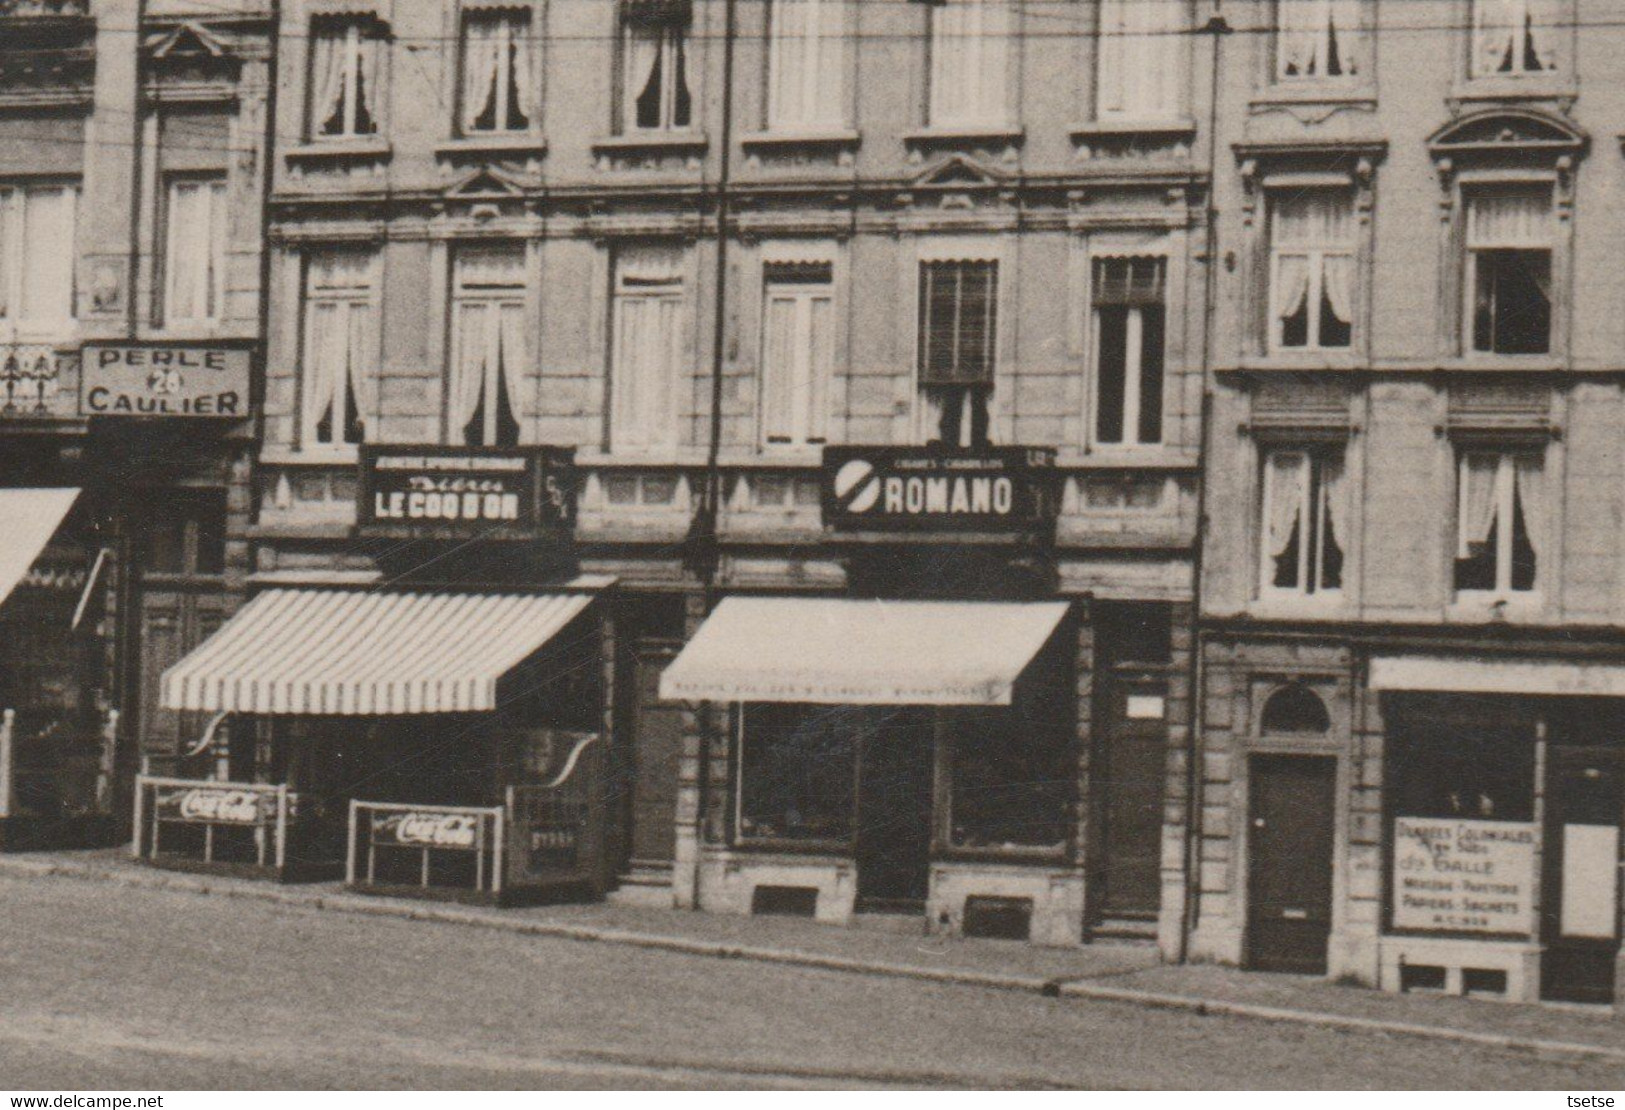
point(28, 520)
point(366, 652)
point(841, 651)
point(1465, 675)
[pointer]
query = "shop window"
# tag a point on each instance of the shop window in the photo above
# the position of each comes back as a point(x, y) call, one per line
point(1011, 779)
point(970, 48)
point(1303, 515)
point(488, 344)
point(1295, 708)
point(499, 83)
point(1136, 633)
point(36, 260)
point(1312, 252)
point(1499, 515)
point(1509, 271)
point(647, 350)
point(797, 771)
point(798, 351)
point(1452, 763)
point(804, 64)
point(185, 533)
point(656, 91)
point(1318, 40)
point(340, 348)
point(1141, 60)
point(195, 251)
point(344, 97)
point(1130, 309)
point(1514, 38)
point(958, 318)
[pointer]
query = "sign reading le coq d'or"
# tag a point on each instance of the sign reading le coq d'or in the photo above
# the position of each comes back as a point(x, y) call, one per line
point(455, 491)
point(151, 379)
point(990, 489)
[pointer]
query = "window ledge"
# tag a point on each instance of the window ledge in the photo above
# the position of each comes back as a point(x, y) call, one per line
point(1502, 363)
point(290, 456)
point(1164, 128)
point(1326, 604)
point(657, 459)
point(1115, 458)
point(677, 141)
point(338, 150)
point(468, 146)
point(1299, 362)
point(812, 136)
point(965, 133)
point(1537, 86)
point(1486, 606)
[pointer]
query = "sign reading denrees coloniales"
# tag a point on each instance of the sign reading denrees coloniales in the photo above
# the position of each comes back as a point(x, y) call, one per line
point(1464, 876)
point(925, 489)
point(137, 379)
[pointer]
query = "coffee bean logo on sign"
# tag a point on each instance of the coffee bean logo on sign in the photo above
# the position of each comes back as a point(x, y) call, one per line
point(994, 489)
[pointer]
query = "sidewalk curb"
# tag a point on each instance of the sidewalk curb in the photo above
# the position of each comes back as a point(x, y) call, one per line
point(363, 905)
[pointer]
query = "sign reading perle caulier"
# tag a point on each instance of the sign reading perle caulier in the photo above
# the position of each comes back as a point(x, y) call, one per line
point(140, 379)
point(1465, 876)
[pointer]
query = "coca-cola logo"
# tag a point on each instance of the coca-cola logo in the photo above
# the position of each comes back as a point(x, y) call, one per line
point(433, 830)
point(235, 807)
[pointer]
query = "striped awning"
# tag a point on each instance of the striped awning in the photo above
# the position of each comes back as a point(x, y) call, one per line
point(366, 652)
point(30, 517)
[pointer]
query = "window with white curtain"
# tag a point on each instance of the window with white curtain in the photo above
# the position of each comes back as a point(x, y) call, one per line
point(1312, 258)
point(805, 40)
point(1302, 522)
point(1141, 59)
point(1130, 308)
point(957, 347)
point(970, 61)
point(340, 350)
point(648, 347)
point(488, 345)
point(499, 88)
point(195, 251)
point(1319, 40)
point(1509, 270)
point(1513, 38)
point(656, 89)
point(36, 260)
point(344, 96)
point(798, 350)
point(1499, 521)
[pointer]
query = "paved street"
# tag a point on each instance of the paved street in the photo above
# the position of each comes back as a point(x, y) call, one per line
point(104, 986)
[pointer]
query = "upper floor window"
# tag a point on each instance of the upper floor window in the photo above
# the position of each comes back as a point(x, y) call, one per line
point(970, 49)
point(798, 351)
point(647, 347)
point(488, 344)
point(1302, 520)
point(1514, 37)
point(1312, 250)
point(656, 91)
point(36, 259)
point(184, 532)
point(195, 251)
point(1140, 62)
point(343, 80)
point(498, 78)
point(1498, 521)
point(804, 64)
point(1510, 236)
point(1130, 313)
point(958, 335)
point(340, 359)
point(1318, 40)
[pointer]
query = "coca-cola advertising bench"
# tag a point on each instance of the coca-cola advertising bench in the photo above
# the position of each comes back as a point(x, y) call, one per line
point(235, 827)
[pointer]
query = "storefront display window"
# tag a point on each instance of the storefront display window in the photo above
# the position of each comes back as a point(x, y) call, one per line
point(797, 771)
point(1010, 780)
point(1466, 767)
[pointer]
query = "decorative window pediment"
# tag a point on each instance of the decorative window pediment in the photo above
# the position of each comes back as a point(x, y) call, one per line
point(1503, 131)
point(959, 172)
point(488, 183)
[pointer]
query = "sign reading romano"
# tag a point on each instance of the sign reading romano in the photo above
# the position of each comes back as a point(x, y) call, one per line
point(990, 489)
point(454, 491)
point(1464, 876)
point(142, 379)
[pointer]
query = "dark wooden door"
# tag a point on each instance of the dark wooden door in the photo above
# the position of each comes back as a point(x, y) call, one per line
point(894, 812)
point(1580, 900)
point(173, 622)
point(1129, 785)
point(657, 745)
point(1290, 826)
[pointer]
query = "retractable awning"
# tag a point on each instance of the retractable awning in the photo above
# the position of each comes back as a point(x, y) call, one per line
point(841, 651)
point(28, 520)
point(1467, 675)
point(365, 652)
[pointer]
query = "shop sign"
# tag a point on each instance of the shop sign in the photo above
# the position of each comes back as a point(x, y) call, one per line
point(465, 492)
point(927, 489)
point(411, 829)
point(150, 379)
point(1465, 876)
point(204, 805)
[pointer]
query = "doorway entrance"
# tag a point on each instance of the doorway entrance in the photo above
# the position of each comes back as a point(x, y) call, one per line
point(1585, 792)
point(1291, 825)
point(1133, 754)
point(893, 851)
